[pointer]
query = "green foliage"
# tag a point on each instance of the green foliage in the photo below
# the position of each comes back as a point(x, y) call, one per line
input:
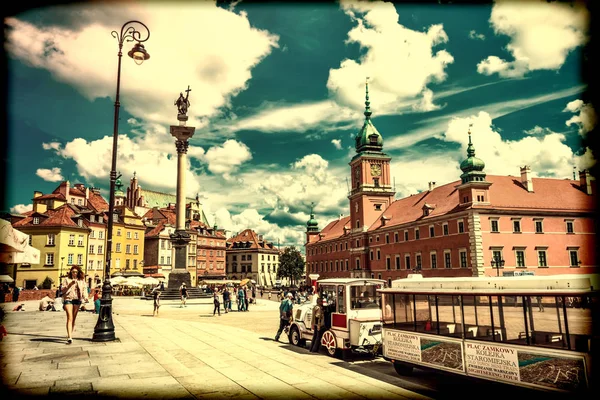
point(291, 264)
point(47, 284)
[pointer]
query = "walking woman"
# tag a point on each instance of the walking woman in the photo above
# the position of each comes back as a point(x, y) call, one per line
point(74, 291)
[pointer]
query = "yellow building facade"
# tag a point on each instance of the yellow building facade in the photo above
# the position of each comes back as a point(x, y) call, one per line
point(127, 242)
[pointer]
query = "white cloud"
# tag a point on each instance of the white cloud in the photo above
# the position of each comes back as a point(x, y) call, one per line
point(547, 154)
point(216, 69)
point(537, 130)
point(426, 102)
point(226, 158)
point(49, 175)
point(51, 145)
point(21, 208)
point(440, 168)
point(337, 143)
point(586, 120)
point(326, 115)
point(477, 36)
point(541, 35)
point(399, 61)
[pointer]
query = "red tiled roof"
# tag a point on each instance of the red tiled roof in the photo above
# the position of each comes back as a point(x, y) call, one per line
point(156, 230)
point(58, 217)
point(76, 192)
point(505, 193)
point(97, 202)
point(248, 235)
point(51, 196)
point(62, 188)
point(335, 228)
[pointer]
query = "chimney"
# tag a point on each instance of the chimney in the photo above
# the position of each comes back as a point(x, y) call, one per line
point(526, 178)
point(87, 193)
point(431, 186)
point(585, 181)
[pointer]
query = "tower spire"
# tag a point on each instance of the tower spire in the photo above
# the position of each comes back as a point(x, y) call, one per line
point(367, 102)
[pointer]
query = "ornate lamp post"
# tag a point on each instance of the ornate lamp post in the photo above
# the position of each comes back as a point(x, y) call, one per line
point(497, 263)
point(105, 330)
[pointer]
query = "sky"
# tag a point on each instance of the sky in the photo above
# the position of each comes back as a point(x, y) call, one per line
point(278, 92)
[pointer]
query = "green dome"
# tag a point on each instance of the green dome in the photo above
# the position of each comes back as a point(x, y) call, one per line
point(312, 224)
point(472, 167)
point(368, 138)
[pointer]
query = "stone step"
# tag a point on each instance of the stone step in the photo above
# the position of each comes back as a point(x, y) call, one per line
point(173, 294)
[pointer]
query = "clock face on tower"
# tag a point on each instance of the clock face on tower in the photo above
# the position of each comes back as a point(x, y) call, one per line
point(375, 170)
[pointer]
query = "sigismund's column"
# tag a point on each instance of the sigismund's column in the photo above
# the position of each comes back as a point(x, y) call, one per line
point(181, 237)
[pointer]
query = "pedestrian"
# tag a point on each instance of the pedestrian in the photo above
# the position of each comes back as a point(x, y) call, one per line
point(226, 300)
point(247, 298)
point(73, 289)
point(97, 292)
point(15, 293)
point(156, 298)
point(540, 304)
point(47, 304)
point(261, 292)
point(241, 300)
point(184, 294)
point(317, 325)
point(285, 315)
point(216, 303)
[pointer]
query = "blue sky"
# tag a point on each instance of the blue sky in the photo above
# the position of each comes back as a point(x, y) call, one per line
point(278, 95)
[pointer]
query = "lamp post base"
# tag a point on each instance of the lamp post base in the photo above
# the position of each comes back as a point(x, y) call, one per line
point(104, 331)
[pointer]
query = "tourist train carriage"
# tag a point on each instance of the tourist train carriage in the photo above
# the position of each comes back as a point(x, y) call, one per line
point(353, 317)
point(533, 331)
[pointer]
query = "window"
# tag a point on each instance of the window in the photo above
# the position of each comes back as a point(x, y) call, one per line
point(118, 231)
point(395, 237)
point(542, 262)
point(128, 249)
point(461, 227)
point(30, 240)
point(377, 238)
point(135, 264)
point(169, 260)
point(539, 228)
point(79, 259)
point(377, 206)
point(70, 259)
point(520, 258)
point(100, 249)
point(50, 239)
point(49, 258)
point(71, 240)
point(387, 238)
point(79, 202)
point(92, 233)
point(358, 263)
point(516, 226)
point(406, 236)
point(371, 255)
point(162, 244)
point(101, 235)
point(463, 258)
point(91, 249)
point(91, 264)
point(570, 227)
point(135, 235)
point(494, 225)
point(358, 223)
point(447, 259)
point(92, 218)
point(573, 257)
point(433, 261)
point(128, 235)
point(80, 240)
point(445, 229)
point(135, 249)
point(418, 261)
point(127, 263)
point(431, 231)
point(72, 200)
point(378, 254)
point(100, 218)
point(118, 248)
point(80, 222)
point(397, 262)
point(388, 263)
point(417, 234)
point(407, 261)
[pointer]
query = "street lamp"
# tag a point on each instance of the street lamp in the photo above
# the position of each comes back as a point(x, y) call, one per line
point(497, 263)
point(105, 330)
point(62, 261)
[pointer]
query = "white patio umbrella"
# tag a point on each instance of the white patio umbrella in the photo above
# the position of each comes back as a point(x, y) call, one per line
point(135, 280)
point(150, 281)
point(119, 280)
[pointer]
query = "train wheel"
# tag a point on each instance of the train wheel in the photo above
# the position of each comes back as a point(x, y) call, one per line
point(328, 340)
point(295, 338)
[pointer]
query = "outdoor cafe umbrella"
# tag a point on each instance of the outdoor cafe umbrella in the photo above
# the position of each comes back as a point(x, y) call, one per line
point(244, 282)
point(135, 280)
point(150, 281)
point(6, 279)
point(119, 280)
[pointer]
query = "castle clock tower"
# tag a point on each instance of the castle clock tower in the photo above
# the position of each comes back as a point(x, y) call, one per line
point(372, 191)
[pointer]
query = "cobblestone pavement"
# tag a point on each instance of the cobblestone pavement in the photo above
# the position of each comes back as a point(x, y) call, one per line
point(185, 352)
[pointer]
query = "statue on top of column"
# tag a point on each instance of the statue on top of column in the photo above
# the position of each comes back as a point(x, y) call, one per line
point(183, 103)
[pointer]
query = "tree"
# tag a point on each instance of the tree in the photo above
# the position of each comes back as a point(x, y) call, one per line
point(47, 284)
point(291, 264)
